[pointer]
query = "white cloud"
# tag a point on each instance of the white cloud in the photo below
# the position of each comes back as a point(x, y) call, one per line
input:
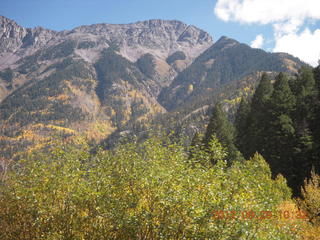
point(287, 18)
point(287, 27)
point(258, 41)
point(305, 45)
point(267, 11)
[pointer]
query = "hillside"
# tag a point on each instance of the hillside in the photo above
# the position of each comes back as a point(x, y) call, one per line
point(225, 61)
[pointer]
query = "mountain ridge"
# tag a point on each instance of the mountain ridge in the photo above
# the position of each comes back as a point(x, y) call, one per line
point(29, 36)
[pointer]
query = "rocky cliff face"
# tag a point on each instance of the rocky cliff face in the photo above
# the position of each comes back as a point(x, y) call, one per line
point(157, 37)
point(11, 35)
point(17, 42)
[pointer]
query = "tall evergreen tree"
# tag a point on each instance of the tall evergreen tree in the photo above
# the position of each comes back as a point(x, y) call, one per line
point(282, 100)
point(306, 93)
point(316, 73)
point(220, 126)
point(282, 139)
point(281, 129)
point(316, 121)
point(257, 120)
point(262, 93)
point(304, 116)
point(242, 125)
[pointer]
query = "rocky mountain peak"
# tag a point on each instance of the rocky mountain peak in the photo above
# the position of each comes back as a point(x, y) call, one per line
point(161, 38)
point(225, 42)
point(11, 35)
point(37, 37)
point(17, 42)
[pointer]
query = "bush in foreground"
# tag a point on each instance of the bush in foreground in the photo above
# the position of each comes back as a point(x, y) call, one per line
point(150, 191)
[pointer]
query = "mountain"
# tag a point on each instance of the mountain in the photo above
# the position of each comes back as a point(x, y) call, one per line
point(157, 39)
point(96, 80)
point(90, 80)
point(225, 61)
point(226, 72)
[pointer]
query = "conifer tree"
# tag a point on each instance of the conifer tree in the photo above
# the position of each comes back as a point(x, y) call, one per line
point(242, 124)
point(316, 121)
point(306, 93)
point(281, 131)
point(316, 73)
point(262, 93)
point(282, 100)
point(223, 129)
point(257, 120)
point(304, 118)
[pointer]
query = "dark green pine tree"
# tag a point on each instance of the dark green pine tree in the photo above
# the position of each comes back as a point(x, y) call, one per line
point(315, 123)
point(224, 130)
point(317, 104)
point(307, 80)
point(262, 93)
point(282, 100)
point(305, 113)
point(304, 156)
point(305, 151)
point(281, 131)
point(257, 120)
point(306, 94)
point(316, 73)
point(316, 129)
point(242, 124)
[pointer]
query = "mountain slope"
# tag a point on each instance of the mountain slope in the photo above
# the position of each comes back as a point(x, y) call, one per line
point(227, 60)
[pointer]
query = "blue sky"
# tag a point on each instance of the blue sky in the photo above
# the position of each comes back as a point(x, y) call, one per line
point(232, 18)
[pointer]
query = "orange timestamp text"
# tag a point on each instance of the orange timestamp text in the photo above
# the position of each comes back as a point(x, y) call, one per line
point(259, 215)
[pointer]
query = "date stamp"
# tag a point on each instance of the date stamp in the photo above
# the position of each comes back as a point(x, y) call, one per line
point(259, 215)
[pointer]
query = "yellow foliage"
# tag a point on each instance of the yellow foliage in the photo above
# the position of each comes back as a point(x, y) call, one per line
point(62, 129)
point(99, 130)
point(40, 145)
point(61, 97)
point(190, 88)
point(247, 89)
point(310, 203)
point(233, 101)
point(27, 134)
point(113, 112)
